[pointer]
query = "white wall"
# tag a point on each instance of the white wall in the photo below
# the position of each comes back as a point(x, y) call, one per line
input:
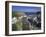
point(2, 19)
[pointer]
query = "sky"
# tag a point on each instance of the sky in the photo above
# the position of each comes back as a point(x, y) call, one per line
point(26, 8)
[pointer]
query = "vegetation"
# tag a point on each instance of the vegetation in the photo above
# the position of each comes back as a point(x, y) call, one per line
point(23, 24)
